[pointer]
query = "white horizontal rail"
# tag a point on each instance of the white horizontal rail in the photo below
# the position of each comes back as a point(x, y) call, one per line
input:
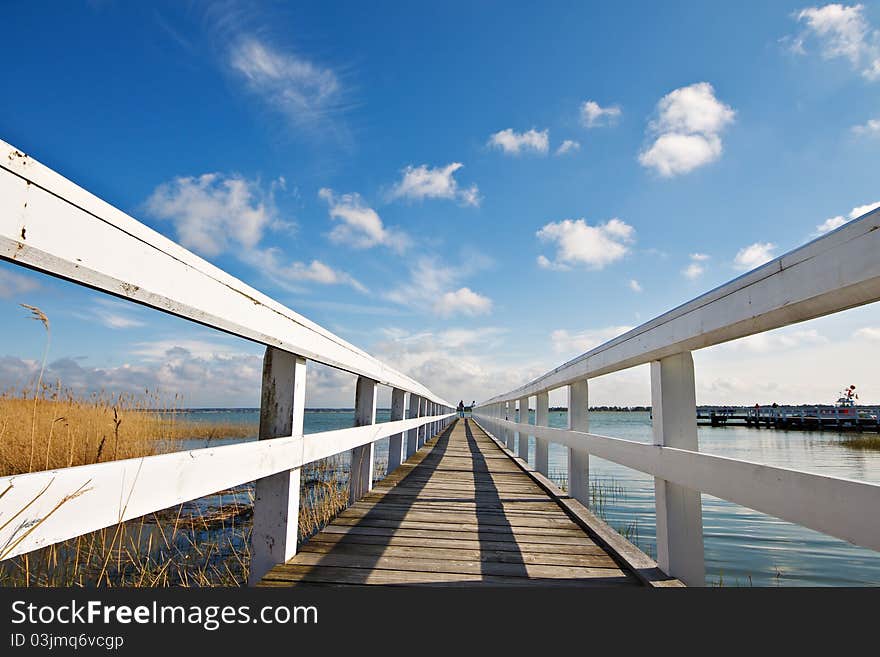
point(826, 504)
point(835, 272)
point(43, 508)
point(52, 225)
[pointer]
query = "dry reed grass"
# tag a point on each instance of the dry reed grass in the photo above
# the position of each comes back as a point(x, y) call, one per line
point(201, 543)
point(55, 429)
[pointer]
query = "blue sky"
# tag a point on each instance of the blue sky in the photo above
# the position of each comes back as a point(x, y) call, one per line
point(475, 192)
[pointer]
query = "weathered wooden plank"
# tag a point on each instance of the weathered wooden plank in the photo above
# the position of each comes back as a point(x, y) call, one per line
point(556, 521)
point(636, 561)
point(459, 526)
point(410, 532)
point(585, 547)
point(344, 559)
point(430, 524)
point(597, 559)
point(289, 574)
point(537, 509)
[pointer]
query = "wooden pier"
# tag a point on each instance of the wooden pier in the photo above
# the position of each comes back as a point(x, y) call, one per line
point(799, 418)
point(459, 507)
point(463, 511)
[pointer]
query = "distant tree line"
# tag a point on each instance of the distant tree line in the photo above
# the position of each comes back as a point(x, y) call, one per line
point(599, 409)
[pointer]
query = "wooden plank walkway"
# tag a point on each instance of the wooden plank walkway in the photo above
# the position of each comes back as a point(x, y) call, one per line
point(460, 512)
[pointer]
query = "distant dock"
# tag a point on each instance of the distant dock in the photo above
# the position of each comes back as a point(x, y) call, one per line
point(802, 418)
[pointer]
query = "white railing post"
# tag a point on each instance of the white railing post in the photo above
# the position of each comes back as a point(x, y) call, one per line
point(579, 458)
point(395, 443)
point(511, 415)
point(276, 498)
point(542, 419)
point(423, 411)
point(679, 511)
point(412, 436)
point(361, 478)
point(523, 446)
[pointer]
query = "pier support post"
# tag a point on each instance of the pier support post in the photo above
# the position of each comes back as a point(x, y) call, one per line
point(510, 436)
point(276, 497)
point(679, 510)
point(542, 419)
point(412, 436)
point(578, 457)
point(395, 442)
point(523, 445)
point(361, 477)
point(423, 411)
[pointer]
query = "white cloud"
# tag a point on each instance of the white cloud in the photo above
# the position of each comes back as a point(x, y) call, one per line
point(13, 284)
point(361, 226)
point(467, 364)
point(114, 321)
point(301, 90)
point(594, 116)
point(674, 154)
point(113, 314)
point(576, 343)
point(830, 224)
point(214, 212)
point(513, 143)
point(422, 182)
point(754, 255)
point(568, 146)
point(776, 340)
point(836, 222)
point(857, 212)
point(868, 333)
point(463, 301)
point(842, 32)
point(457, 338)
point(693, 271)
point(696, 268)
point(317, 272)
point(435, 287)
point(156, 350)
point(208, 375)
point(687, 130)
point(869, 129)
point(579, 243)
point(634, 285)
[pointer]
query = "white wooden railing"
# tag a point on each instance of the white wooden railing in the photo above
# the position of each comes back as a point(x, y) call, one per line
point(838, 271)
point(49, 224)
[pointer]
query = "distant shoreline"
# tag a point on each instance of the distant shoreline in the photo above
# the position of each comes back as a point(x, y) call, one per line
point(593, 409)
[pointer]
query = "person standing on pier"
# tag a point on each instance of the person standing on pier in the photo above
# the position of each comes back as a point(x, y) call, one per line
point(460, 408)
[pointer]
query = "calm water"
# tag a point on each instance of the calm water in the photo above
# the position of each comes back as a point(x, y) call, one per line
point(741, 546)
